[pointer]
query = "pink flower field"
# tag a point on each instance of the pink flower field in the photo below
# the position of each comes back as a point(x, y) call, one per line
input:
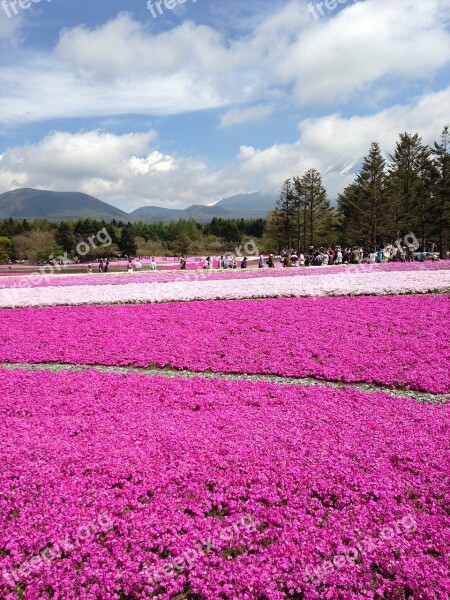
point(190, 482)
point(401, 341)
point(188, 290)
point(126, 487)
point(44, 279)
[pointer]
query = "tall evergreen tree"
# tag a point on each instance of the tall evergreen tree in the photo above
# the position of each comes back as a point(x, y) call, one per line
point(65, 237)
point(282, 218)
point(317, 206)
point(127, 243)
point(301, 218)
point(363, 206)
point(410, 163)
point(442, 206)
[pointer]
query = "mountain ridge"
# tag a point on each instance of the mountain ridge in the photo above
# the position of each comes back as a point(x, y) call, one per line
point(30, 203)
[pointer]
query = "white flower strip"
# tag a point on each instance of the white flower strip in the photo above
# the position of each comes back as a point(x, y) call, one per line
point(264, 287)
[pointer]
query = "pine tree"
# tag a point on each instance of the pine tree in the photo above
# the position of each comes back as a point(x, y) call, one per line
point(424, 203)
point(281, 225)
point(409, 167)
point(127, 243)
point(65, 237)
point(442, 206)
point(364, 206)
point(301, 220)
point(317, 206)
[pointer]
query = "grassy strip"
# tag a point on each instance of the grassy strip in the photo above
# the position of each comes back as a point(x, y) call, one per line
point(423, 397)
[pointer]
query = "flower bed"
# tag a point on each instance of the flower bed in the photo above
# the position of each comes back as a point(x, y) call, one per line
point(401, 341)
point(125, 486)
point(377, 283)
point(64, 280)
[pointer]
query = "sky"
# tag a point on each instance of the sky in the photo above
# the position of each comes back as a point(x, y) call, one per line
point(179, 102)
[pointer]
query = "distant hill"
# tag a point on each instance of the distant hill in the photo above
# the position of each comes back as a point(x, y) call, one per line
point(245, 206)
point(27, 203)
point(202, 214)
point(248, 206)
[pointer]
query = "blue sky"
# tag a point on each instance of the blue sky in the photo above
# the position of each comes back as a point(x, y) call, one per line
point(212, 98)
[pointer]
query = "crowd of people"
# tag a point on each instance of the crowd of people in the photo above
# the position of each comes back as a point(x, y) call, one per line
point(321, 256)
point(354, 255)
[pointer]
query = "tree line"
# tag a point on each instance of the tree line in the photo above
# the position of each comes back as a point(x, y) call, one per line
point(409, 192)
point(39, 239)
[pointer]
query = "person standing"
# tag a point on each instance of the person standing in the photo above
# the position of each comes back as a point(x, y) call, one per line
point(153, 264)
point(244, 263)
point(100, 266)
point(183, 261)
point(355, 255)
point(106, 266)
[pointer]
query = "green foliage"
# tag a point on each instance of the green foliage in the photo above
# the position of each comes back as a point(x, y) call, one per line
point(7, 250)
point(441, 207)
point(127, 242)
point(37, 240)
point(411, 194)
point(65, 237)
point(302, 216)
point(364, 205)
point(410, 185)
point(12, 227)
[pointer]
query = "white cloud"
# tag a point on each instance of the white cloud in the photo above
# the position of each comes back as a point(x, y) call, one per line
point(123, 68)
point(283, 54)
point(366, 42)
point(124, 169)
point(129, 171)
point(153, 162)
point(333, 140)
point(239, 116)
point(9, 29)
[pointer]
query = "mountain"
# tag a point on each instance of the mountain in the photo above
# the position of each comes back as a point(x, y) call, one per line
point(202, 214)
point(245, 206)
point(248, 206)
point(27, 203)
